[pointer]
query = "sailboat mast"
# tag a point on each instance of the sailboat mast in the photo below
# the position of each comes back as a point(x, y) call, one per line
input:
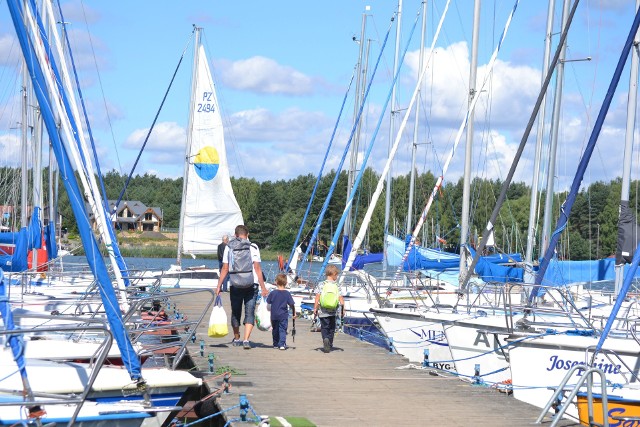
point(24, 128)
point(533, 207)
point(187, 160)
point(555, 125)
point(392, 116)
point(628, 151)
point(466, 183)
point(360, 85)
point(414, 146)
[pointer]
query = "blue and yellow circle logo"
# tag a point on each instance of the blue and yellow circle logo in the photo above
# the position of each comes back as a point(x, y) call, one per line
point(207, 163)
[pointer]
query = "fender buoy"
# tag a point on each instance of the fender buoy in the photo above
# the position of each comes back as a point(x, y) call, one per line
point(280, 262)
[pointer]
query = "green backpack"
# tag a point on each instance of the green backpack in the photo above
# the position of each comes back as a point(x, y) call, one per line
point(330, 295)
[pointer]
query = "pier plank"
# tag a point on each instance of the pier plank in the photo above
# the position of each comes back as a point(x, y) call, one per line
point(357, 384)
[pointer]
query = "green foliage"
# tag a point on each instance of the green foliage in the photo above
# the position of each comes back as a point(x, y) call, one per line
point(273, 210)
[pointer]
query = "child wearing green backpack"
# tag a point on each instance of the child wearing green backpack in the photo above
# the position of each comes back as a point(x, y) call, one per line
point(328, 302)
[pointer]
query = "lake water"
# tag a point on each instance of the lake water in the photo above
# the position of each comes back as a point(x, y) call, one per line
point(270, 268)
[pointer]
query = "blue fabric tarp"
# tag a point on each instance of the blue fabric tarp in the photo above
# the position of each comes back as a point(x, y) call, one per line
point(361, 260)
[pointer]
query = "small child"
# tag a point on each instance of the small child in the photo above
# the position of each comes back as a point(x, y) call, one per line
point(328, 315)
point(278, 302)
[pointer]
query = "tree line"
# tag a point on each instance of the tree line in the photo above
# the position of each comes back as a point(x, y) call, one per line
point(273, 210)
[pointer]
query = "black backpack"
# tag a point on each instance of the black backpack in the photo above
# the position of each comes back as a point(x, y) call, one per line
point(240, 263)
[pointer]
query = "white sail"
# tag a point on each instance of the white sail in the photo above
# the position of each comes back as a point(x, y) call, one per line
point(209, 208)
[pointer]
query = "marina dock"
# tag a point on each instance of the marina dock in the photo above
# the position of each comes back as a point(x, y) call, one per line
point(357, 384)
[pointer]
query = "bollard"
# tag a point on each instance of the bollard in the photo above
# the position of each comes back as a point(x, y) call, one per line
point(226, 384)
point(210, 362)
point(244, 407)
point(476, 374)
point(390, 342)
point(201, 348)
point(425, 361)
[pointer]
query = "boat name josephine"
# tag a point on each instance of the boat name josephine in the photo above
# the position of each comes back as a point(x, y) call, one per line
point(560, 364)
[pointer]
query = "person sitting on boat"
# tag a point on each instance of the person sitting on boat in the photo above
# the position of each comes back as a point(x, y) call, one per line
point(241, 262)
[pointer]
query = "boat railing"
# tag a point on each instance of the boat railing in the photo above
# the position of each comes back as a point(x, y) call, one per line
point(54, 399)
point(143, 281)
point(633, 330)
point(561, 301)
point(629, 374)
point(76, 328)
point(178, 321)
point(561, 402)
point(512, 300)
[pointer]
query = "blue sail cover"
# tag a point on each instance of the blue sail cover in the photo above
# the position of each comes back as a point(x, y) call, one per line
point(559, 273)
point(50, 240)
point(492, 272)
point(34, 232)
point(421, 258)
point(26, 239)
point(94, 257)
point(361, 260)
point(15, 341)
point(18, 261)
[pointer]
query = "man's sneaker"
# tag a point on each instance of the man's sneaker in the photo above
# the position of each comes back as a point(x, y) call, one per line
point(326, 345)
point(235, 342)
point(283, 348)
point(246, 345)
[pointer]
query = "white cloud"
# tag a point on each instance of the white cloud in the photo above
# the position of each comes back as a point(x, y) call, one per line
point(294, 140)
point(264, 75)
point(265, 125)
point(11, 150)
point(10, 52)
point(506, 98)
point(166, 137)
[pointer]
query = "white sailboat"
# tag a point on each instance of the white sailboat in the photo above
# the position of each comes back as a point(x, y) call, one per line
point(163, 385)
point(209, 208)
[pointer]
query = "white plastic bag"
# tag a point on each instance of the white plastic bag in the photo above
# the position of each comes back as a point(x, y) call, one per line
point(218, 327)
point(263, 316)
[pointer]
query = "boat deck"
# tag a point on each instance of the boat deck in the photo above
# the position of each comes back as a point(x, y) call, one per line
point(356, 384)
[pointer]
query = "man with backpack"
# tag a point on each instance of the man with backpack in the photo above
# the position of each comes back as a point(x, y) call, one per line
point(241, 263)
point(328, 302)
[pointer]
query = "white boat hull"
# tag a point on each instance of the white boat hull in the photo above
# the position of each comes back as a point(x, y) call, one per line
point(415, 337)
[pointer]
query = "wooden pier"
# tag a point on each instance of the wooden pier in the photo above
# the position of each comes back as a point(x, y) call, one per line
point(357, 384)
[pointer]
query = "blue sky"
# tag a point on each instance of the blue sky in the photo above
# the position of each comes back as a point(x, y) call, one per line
point(282, 69)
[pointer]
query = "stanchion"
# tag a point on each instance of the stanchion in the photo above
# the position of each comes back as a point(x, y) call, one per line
point(244, 407)
point(425, 361)
point(476, 375)
point(226, 385)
